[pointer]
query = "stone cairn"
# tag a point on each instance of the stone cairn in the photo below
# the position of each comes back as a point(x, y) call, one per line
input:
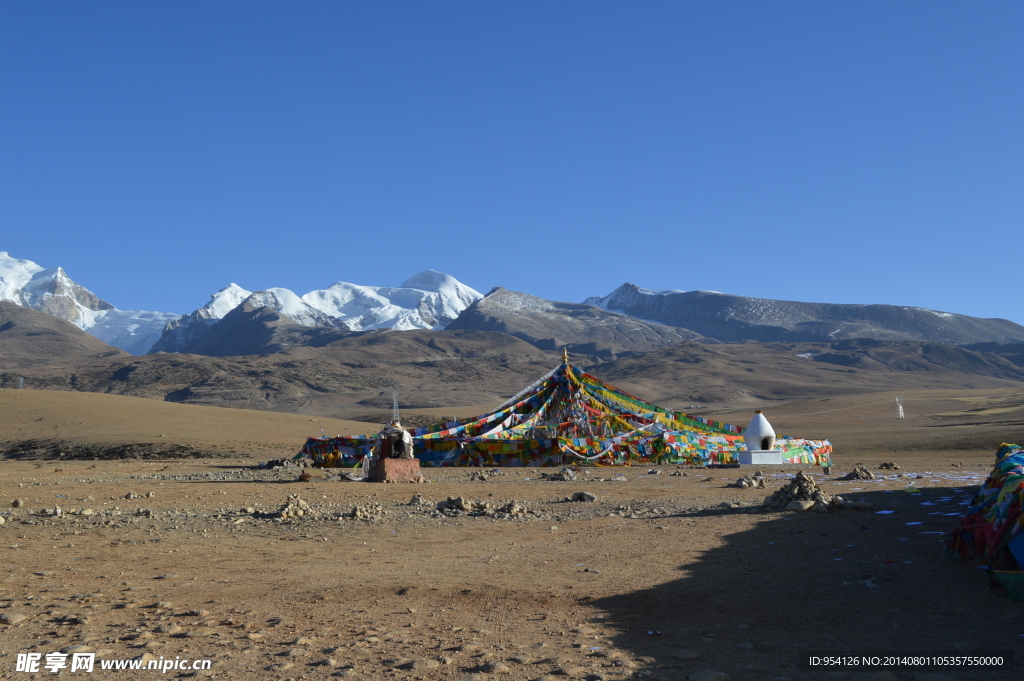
point(295, 507)
point(460, 505)
point(565, 474)
point(753, 480)
point(859, 472)
point(802, 494)
point(369, 512)
point(486, 474)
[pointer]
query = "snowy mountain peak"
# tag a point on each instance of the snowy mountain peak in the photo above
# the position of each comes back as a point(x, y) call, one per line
point(431, 280)
point(290, 305)
point(15, 274)
point(51, 290)
point(226, 300)
point(429, 300)
point(627, 290)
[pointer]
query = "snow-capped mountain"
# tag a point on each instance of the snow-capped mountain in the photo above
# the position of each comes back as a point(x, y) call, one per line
point(429, 300)
point(50, 290)
point(180, 332)
point(736, 318)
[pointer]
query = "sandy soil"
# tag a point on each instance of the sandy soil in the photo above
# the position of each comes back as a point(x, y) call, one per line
point(570, 589)
point(661, 577)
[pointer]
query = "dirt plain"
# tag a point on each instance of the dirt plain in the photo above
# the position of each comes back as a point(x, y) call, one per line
point(661, 577)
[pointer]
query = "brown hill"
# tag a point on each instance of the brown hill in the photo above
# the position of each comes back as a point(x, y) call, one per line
point(253, 330)
point(30, 338)
point(355, 375)
point(427, 368)
point(737, 318)
point(749, 373)
point(43, 423)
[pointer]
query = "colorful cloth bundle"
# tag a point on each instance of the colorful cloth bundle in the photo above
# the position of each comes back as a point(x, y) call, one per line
point(569, 416)
point(994, 518)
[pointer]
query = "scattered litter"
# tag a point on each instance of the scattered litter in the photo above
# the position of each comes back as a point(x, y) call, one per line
point(870, 581)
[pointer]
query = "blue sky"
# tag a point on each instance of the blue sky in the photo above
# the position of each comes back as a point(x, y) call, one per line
point(868, 152)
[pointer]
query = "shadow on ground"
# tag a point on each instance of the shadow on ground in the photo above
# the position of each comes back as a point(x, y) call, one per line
point(844, 581)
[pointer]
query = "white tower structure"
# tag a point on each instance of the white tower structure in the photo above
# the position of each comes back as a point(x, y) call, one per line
point(394, 406)
point(760, 439)
point(899, 406)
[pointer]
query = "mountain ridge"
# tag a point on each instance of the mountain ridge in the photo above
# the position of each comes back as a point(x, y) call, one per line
point(580, 328)
point(731, 318)
point(629, 321)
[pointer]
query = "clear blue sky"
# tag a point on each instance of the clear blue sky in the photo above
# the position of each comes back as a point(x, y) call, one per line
point(857, 152)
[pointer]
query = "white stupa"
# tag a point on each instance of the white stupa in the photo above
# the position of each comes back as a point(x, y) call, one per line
point(760, 439)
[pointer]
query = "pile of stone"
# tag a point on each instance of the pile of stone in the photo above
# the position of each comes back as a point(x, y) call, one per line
point(275, 464)
point(565, 474)
point(859, 472)
point(640, 512)
point(753, 480)
point(418, 500)
point(582, 496)
point(458, 506)
point(888, 466)
point(485, 475)
point(295, 507)
point(367, 512)
point(802, 494)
